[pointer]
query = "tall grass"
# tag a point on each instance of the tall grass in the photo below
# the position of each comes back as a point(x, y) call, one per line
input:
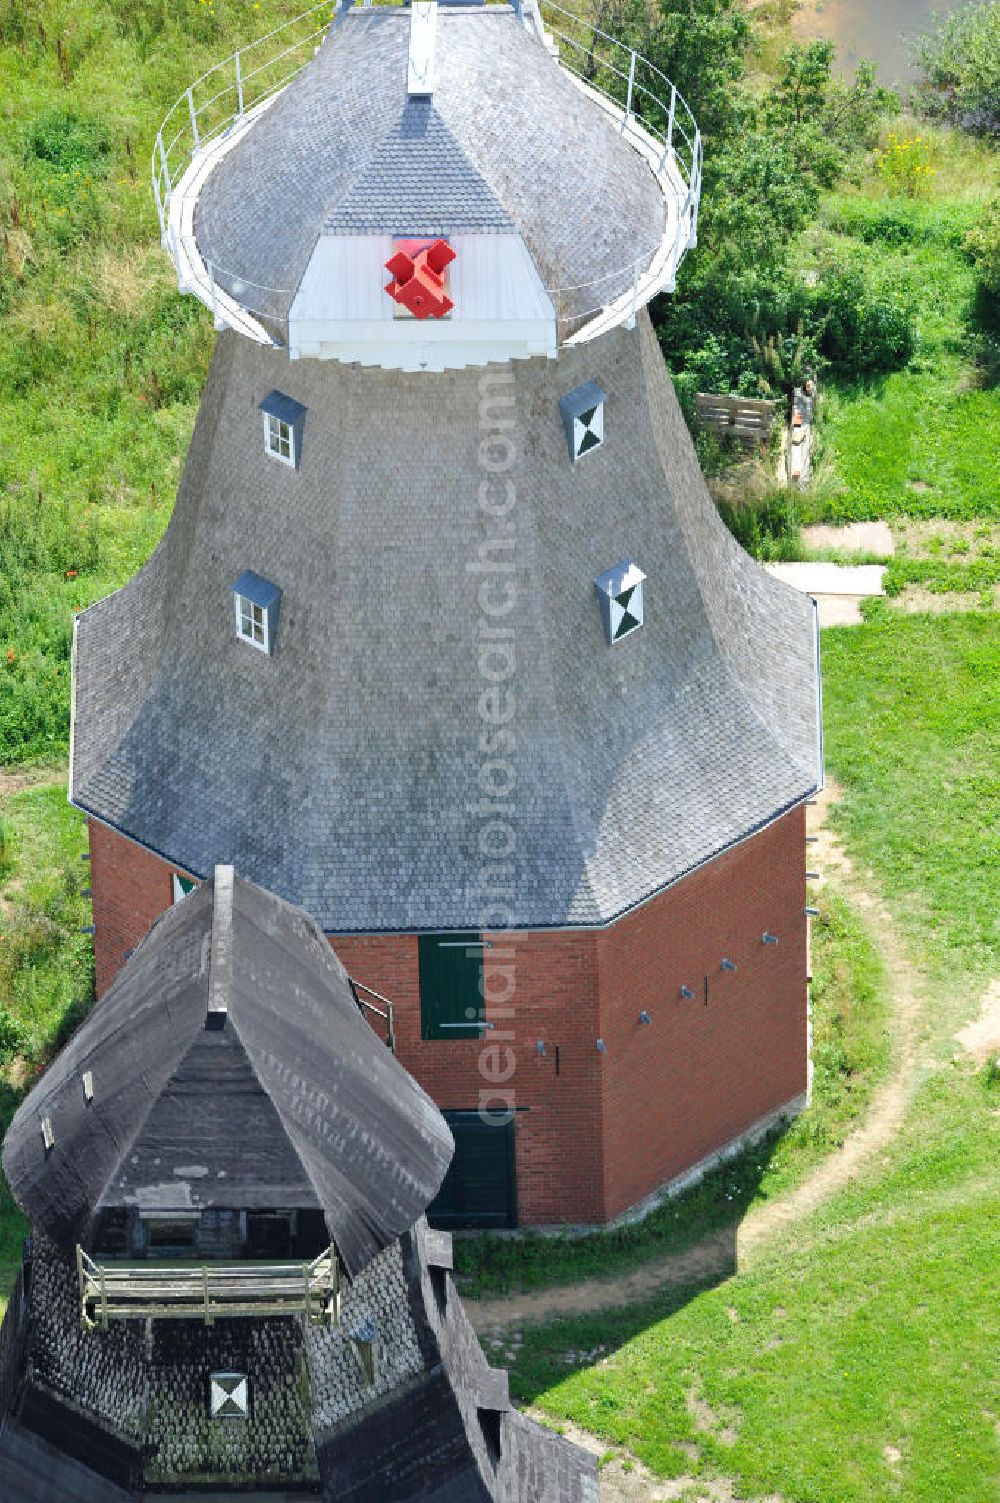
point(101, 362)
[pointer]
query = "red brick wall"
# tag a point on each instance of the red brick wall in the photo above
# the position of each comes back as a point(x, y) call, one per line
point(608, 1128)
point(697, 1076)
point(558, 1124)
point(131, 889)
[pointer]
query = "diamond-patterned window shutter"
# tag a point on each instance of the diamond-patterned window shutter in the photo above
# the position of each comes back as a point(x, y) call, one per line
point(229, 1396)
point(588, 430)
point(620, 593)
point(583, 418)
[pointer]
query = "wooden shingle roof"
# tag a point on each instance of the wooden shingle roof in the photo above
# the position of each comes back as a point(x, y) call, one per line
point(230, 1067)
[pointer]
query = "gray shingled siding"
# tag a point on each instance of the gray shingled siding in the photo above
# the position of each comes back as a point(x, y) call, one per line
point(378, 1296)
point(339, 771)
point(104, 1377)
point(152, 1389)
point(418, 1429)
point(510, 138)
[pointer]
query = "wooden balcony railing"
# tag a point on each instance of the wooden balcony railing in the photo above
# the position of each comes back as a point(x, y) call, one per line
point(208, 1292)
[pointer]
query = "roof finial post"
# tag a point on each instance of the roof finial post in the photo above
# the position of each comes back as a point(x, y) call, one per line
point(220, 965)
point(423, 36)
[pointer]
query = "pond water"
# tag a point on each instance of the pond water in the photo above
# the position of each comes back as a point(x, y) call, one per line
point(874, 29)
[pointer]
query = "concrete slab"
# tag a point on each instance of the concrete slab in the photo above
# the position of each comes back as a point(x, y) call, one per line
point(838, 589)
point(855, 537)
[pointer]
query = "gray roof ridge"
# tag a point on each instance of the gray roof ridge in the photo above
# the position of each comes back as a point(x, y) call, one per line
point(287, 1128)
point(477, 162)
point(398, 136)
point(174, 537)
point(246, 1051)
point(172, 918)
point(392, 123)
point(543, 659)
point(771, 728)
point(715, 627)
point(722, 649)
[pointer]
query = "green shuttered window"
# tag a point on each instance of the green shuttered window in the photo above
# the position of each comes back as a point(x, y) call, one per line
point(451, 997)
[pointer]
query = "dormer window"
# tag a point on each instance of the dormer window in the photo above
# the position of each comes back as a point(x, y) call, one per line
point(284, 420)
point(583, 418)
point(256, 602)
point(620, 593)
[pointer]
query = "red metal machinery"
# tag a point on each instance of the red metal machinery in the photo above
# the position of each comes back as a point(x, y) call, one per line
point(418, 277)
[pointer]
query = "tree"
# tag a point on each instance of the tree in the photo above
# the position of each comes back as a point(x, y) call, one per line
point(803, 81)
point(961, 66)
point(701, 46)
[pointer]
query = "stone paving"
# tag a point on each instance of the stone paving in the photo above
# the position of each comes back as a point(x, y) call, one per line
point(838, 589)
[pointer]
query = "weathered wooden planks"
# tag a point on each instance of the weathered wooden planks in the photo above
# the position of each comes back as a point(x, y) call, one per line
point(744, 418)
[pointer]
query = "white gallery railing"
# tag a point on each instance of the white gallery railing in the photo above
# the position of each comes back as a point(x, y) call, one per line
point(647, 110)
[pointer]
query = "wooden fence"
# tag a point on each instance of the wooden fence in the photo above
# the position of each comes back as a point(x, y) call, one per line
point(743, 418)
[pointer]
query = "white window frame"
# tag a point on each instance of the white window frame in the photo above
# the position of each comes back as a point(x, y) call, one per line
point(277, 434)
point(245, 611)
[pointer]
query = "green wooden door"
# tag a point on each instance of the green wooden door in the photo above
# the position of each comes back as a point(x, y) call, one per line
point(451, 998)
point(480, 1188)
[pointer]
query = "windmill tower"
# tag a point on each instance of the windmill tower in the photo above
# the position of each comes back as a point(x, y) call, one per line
point(445, 640)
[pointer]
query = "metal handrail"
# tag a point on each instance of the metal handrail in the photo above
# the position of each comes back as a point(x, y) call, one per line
point(387, 1014)
point(648, 107)
point(671, 104)
point(198, 130)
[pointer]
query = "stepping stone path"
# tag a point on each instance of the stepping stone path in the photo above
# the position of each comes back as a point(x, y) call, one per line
point(838, 589)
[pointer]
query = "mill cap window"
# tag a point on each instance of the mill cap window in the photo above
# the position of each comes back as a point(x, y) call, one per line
point(583, 418)
point(620, 593)
point(256, 601)
point(284, 420)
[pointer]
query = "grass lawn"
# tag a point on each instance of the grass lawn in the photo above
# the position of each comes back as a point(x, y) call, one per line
point(859, 1360)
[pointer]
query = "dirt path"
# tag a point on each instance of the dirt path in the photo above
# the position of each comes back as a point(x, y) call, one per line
point(714, 1257)
point(16, 779)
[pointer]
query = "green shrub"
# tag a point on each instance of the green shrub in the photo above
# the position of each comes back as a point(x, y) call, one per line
point(983, 245)
point(65, 143)
point(6, 847)
point(13, 1036)
point(868, 326)
point(894, 222)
